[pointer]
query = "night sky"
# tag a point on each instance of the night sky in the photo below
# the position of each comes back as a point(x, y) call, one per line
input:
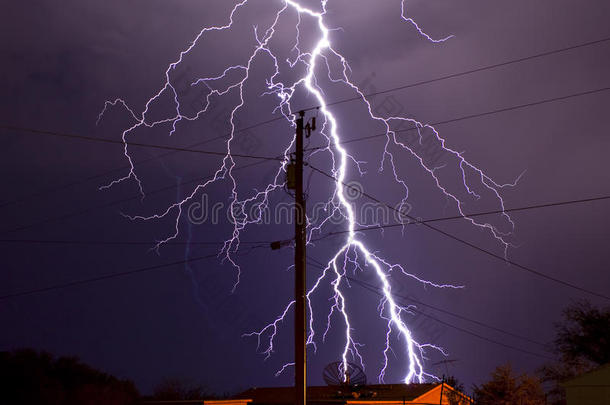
point(61, 62)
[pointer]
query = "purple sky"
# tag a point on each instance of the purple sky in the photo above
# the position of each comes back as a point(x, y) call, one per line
point(61, 63)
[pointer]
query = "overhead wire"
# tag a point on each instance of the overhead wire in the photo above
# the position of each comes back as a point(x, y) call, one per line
point(321, 237)
point(470, 71)
point(444, 311)
point(116, 275)
point(122, 242)
point(376, 291)
point(472, 116)
point(119, 201)
point(469, 244)
point(473, 215)
point(318, 148)
point(136, 144)
point(402, 87)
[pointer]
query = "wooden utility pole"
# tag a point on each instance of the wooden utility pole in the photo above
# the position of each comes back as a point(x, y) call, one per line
point(300, 327)
point(442, 386)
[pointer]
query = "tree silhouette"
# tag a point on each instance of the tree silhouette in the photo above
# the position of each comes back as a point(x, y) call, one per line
point(173, 389)
point(29, 377)
point(584, 334)
point(582, 343)
point(505, 388)
point(454, 397)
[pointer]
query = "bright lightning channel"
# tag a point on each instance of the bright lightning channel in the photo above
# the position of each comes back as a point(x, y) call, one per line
point(354, 251)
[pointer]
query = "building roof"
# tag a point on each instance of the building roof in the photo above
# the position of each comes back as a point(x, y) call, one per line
point(331, 394)
point(174, 402)
point(598, 376)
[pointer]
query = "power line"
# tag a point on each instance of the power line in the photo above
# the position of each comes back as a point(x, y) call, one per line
point(103, 277)
point(122, 243)
point(105, 173)
point(140, 162)
point(376, 291)
point(96, 176)
point(189, 149)
point(477, 115)
point(356, 140)
point(520, 106)
point(191, 260)
point(325, 236)
point(469, 244)
point(137, 144)
point(467, 72)
point(116, 202)
point(426, 221)
point(444, 311)
point(217, 153)
point(348, 141)
point(450, 76)
point(471, 332)
point(115, 275)
point(195, 259)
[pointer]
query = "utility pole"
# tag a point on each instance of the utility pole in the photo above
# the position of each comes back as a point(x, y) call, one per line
point(442, 386)
point(300, 327)
point(294, 181)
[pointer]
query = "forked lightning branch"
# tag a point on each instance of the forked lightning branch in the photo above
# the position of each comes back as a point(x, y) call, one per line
point(317, 58)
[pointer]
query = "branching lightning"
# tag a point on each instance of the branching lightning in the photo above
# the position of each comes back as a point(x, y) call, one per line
point(353, 255)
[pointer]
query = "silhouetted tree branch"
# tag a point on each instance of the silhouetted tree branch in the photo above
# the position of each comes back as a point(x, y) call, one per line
point(582, 343)
point(29, 377)
point(505, 388)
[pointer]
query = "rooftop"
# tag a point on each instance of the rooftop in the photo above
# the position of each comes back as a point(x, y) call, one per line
point(331, 394)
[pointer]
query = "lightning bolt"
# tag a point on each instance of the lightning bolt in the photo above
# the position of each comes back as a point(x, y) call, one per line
point(353, 254)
